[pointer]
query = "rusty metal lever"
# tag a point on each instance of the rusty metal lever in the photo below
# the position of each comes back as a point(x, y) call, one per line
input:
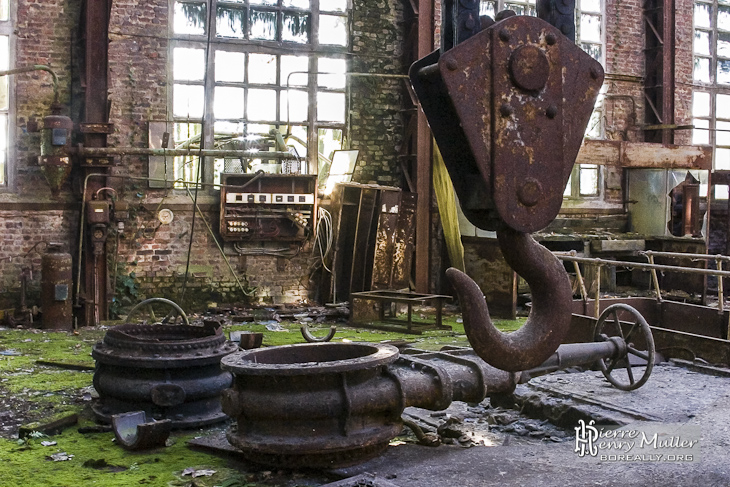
point(549, 318)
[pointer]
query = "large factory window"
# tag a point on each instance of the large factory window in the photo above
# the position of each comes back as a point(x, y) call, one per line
point(5, 99)
point(711, 97)
point(246, 71)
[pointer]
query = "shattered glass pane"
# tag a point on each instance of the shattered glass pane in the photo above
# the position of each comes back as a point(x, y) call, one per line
point(332, 5)
point(189, 18)
point(294, 64)
point(722, 133)
point(590, 28)
point(333, 30)
point(700, 104)
point(228, 102)
point(593, 131)
point(723, 71)
point(331, 107)
point(298, 139)
point(263, 25)
point(262, 69)
point(590, 5)
point(188, 100)
point(294, 106)
point(701, 134)
point(261, 105)
point(723, 18)
point(703, 15)
point(230, 66)
point(488, 8)
point(702, 70)
point(702, 42)
point(723, 44)
point(230, 22)
point(302, 4)
point(188, 64)
point(588, 180)
point(722, 159)
point(338, 67)
point(295, 27)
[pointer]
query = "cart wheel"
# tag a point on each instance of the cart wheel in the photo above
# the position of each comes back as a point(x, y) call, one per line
point(172, 315)
point(313, 339)
point(623, 321)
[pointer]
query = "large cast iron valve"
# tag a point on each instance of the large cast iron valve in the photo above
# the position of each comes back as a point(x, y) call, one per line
point(508, 108)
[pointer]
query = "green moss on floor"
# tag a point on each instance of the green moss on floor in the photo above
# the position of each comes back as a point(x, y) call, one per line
point(47, 390)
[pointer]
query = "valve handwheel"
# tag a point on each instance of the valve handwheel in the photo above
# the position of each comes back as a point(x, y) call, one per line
point(621, 321)
point(173, 315)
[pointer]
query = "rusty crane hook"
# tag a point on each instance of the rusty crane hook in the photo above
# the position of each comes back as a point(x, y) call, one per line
point(549, 318)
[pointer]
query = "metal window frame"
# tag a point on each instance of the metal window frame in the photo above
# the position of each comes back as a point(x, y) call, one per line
point(10, 169)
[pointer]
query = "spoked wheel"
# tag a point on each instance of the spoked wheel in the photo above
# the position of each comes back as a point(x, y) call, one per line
point(625, 322)
point(173, 315)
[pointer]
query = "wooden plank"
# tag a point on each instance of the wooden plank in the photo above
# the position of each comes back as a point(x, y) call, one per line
point(601, 152)
point(644, 155)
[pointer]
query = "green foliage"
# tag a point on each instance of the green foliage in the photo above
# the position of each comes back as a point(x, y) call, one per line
point(126, 292)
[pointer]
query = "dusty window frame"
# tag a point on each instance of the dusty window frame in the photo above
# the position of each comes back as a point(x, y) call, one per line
point(7, 166)
point(239, 40)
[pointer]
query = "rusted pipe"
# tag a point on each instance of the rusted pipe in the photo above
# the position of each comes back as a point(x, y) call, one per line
point(36, 67)
point(549, 318)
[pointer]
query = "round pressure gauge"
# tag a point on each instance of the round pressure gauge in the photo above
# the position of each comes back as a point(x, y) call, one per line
point(165, 216)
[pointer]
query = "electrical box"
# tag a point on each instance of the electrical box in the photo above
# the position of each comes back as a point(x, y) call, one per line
point(269, 207)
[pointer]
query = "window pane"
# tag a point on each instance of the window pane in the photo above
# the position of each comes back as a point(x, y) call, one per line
point(4, 64)
point(702, 42)
point(328, 141)
point(722, 133)
point(702, 70)
point(593, 49)
point(588, 180)
point(721, 192)
point(294, 64)
point(187, 101)
point(230, 66)
point(590, 27)
point(296, 27)
point(186, 135)
point(722, 106)
point(700, 104)
point(332, 5)
point(568, 191)
point(227, 102)
point(722, 159)
point(336, 66)
point(225, 127)
point(263, 25)
point(262, 69)
point(723, 44)
point(190, 18)
point(723, 71)
point(261, 105)
point(593, 131)
point(188, 64)
point(332, 30)
point(303, 4)
point(331, 107)
point(298, 139)
point(4, 9)
point(703, 14)
point(297, 104)
point(229, 22)
point(263, 2)
point(488, 8)
point(701, 134)
point(723, 18)
point(590, 5)
point(3, 146)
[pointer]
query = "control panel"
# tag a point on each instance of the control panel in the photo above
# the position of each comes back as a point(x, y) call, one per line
point(267, 207)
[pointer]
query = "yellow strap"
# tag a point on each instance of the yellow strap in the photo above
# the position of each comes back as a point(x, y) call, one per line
point(447, 210)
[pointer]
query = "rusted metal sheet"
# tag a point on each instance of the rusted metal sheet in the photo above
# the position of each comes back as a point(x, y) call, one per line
point(394, 240)
point(169, 371)
point(647, 155)
point(56, 287)
point(135, 431)
point(405, 241)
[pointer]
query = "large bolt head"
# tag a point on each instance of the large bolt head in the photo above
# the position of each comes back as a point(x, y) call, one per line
point(529, 67)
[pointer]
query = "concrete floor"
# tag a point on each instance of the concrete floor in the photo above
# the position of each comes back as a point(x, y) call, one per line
point(673, 395)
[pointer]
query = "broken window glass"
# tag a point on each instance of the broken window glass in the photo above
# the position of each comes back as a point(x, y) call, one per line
point(338, 68)
point(228, 102)
point(294, 106)
point(722, 159)
point(188, 64)
point(230, 22)
point(723, 18)
point(299, 65)
point(333, 30)
point(261, 105)
point(298, 139)
point(295, 27)
point(702, 42)
point(262, 25)
point(723, 71)
point(703, 15)
point(331, 107)
point(262, 69)
point(702, 70)
point(230, 66)
point(328, 141)
point(188, 100)
point(701, 132)
point(189, 18)
point(594, 50)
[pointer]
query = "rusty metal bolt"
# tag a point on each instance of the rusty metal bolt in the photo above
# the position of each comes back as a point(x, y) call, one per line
point(451, 64)
point(552, 111)
point(594, 72)
point(530, 192)
point(470, 23)
point(529, 67)
point(551, 39)
point(505, 110)
point(504, 35)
